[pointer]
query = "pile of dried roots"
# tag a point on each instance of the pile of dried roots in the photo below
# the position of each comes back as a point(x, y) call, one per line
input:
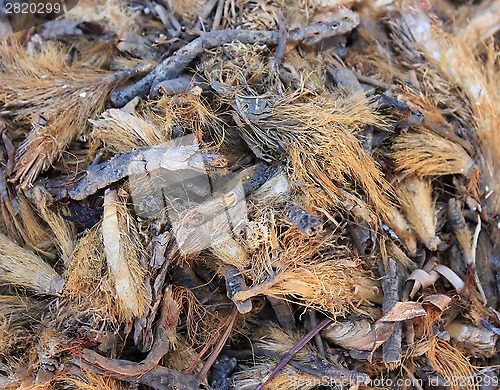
point(251, 194)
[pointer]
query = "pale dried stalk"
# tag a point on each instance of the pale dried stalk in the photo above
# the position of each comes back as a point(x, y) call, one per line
point(125, 130)
point(122, 259)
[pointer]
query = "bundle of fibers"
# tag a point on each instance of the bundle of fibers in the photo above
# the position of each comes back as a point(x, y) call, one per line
point(87, 290)
point(17, 316)
point(54, 97)
point(424, 153)
point(415, 197)
point(20, 267)
point(128, 128)
point(307, 272)
point(326, 161)
point(477, 77)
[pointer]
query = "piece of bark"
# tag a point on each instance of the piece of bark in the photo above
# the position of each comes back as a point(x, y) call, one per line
point(221, 370)
point(306, 223)
point(159, 378)
point(235, 283)
point(137, 163)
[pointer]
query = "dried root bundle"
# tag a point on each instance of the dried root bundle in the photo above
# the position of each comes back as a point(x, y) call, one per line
point(415, 196)
point(424, 153)
point(321, 152)
point(305, 272)
point(124, 130)
point(20, 267)
point(299, 207)
point(54, 98)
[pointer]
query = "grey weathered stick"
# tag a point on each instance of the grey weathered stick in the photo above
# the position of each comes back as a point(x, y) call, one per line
point(205, 12)
point(138, 162)
point(235, 283)
point(218, 15)
point(180, 85)
point(391, 286)
point(173, 66)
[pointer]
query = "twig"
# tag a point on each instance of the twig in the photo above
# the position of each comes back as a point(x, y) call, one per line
point(9, 148)
point(317, 338)
point(159, 378)
point(180, 85)
point(283, 35)
point(138, 162)
point(205, 12)
point(346, 376)
point(475, 238)
point(124, 368)
point(391, 286)
point(446, 131)
point(288, 356)
point(414, 380)
point(173, 66)
point(372, 81)
point(164, 16)
point(235, 285)
point(220, 344)
point(283, 310)
point(218, 15)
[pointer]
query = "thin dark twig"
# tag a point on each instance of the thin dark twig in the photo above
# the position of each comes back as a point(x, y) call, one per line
point(317, 338)
point(288, 356)
point(283, 36)
point(220, 344)
point(372, 81)
point(331, 372)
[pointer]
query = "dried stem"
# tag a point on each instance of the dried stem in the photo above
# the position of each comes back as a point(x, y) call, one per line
point(289, 355)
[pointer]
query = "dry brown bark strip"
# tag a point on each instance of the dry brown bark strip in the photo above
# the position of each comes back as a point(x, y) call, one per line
point(159, 378)
point(169, 315)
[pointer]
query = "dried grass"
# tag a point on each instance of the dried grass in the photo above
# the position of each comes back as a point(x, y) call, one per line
point(324, 156)
point(478, 78)
point(20, 267)
point(305, 271)
point(17, 318)
point(124, 130)
point(88, 291)
point(63, 232)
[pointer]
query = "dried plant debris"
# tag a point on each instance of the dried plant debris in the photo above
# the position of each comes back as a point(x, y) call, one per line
point(253, 194)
